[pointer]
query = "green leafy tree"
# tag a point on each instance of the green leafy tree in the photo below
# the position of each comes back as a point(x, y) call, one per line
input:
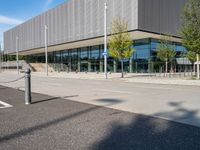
point(166, 50)
point(192, 57)
point(120, 42)
point(190, 30)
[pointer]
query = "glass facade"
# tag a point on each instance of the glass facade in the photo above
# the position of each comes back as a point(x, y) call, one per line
point(90, 59)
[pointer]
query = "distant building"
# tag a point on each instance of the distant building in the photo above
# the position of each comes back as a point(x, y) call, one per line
point(76, 28)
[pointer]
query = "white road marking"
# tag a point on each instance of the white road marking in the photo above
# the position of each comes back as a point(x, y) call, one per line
point(5, 105)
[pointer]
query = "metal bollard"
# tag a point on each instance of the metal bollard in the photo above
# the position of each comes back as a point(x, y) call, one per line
point(27, 86)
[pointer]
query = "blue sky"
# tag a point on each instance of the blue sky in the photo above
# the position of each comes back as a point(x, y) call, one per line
point(14, 12)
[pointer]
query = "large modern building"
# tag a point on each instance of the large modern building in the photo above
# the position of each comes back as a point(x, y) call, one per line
point(76, 30)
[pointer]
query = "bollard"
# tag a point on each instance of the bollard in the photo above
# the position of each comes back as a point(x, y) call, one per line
point(27, 86)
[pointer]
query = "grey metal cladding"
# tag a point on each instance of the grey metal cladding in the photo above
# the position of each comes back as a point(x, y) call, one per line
point(71, 21)
point(160, 16)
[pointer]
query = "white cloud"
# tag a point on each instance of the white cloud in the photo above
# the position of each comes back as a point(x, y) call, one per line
point(9, 21)
point(47, 3)
point(6, 23)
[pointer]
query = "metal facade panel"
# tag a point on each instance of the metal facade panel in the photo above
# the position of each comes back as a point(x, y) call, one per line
point(160, 16)
point(71, 21)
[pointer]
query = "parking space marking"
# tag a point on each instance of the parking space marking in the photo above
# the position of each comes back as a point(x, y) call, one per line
point(5, 105)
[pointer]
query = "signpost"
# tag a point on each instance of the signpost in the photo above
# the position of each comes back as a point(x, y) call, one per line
point(104, 54)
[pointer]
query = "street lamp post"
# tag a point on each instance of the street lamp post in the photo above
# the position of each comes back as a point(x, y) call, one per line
point(46, 50)
point(17, 53)
point(105, 40)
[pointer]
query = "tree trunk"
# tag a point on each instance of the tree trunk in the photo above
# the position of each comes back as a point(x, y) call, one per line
point(130, 65)
point(122, 68)
point(171, 67)
point(114, 66)
point(198, 66)
point(166, 66)
point(194, 67)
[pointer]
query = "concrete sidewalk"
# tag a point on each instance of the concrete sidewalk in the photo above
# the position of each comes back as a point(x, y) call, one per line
point(53, 123)
point(129, 77)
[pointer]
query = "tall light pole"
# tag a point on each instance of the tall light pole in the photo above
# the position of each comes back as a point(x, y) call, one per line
point(105, 40)
point(17, 53)
point(46, 50)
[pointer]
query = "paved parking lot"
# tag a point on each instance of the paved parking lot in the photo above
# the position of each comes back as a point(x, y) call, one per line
point(52, 123)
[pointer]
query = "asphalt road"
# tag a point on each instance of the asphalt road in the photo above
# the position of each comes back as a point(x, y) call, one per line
point(53, 123)
point(173, 102)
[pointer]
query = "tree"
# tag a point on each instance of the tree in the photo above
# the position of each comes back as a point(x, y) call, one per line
point(192, 57)
point(166, 50)
point(190, 30)
point(120, 42)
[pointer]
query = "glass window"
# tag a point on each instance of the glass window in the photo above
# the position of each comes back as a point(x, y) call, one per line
point(180, 48)
point(94, 53)
point(74, 59)
point(65, 56)
point(143, 53)
point(74, 53)
point(142, 49)
point(94, 58)
point(84, 53)
point(154, 45)
point(58, 57)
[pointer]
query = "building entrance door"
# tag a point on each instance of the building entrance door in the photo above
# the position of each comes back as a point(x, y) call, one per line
point(95, 66)
point(84, 66)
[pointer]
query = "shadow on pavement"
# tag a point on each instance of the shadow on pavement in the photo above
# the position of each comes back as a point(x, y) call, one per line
point(109, 101)
point(1, 88)
point(181, 114)
point(52, 99)
point(150, 133)
point(39, 127)
point(140, 133)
